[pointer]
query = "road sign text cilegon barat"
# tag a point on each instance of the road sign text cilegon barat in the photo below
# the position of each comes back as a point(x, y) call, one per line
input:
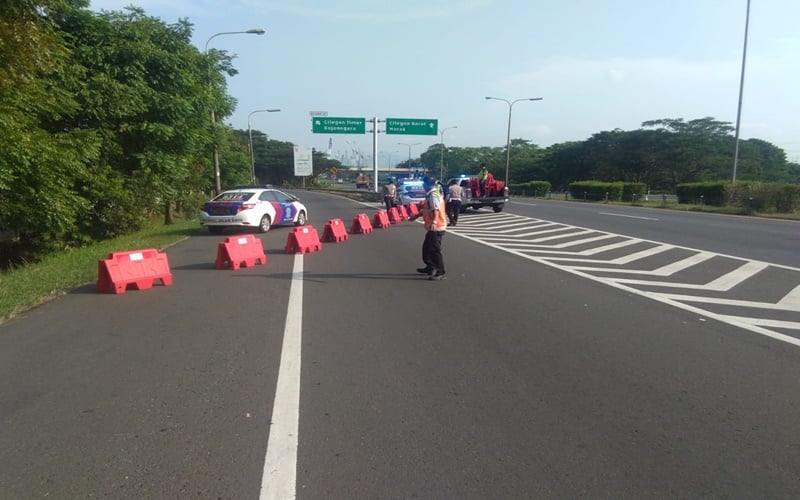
point(412, 126)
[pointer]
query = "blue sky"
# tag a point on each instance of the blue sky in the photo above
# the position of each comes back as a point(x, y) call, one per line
point(597, 64)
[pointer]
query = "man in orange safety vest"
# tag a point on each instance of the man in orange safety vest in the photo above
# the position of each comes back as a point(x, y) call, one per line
point(434, 214)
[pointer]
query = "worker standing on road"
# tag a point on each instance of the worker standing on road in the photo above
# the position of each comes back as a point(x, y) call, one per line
point(435, 218)
point(389, 194)
point(454, 195)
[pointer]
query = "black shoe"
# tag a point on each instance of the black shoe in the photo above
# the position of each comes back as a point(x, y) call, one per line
point(424, 270)
point(437, 276)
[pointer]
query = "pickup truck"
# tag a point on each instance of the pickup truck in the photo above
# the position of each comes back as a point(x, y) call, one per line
point(494, 194)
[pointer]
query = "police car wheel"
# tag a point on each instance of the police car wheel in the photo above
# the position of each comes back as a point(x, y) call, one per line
point(264, 225)
point(301, 219)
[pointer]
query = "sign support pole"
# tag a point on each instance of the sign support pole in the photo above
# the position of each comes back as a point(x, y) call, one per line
point(375, 154)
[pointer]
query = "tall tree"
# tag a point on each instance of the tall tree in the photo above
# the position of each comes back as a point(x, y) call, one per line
point(40, 163)
point(148, 93)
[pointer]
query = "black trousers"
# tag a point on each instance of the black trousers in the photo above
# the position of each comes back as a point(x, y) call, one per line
point(453, 209)
point(432, 251)
point(389, 200)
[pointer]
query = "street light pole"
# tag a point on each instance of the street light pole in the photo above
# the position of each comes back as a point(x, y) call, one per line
point(254, 31)
point(409, 152)
point(250, 142)
point(441, 159)
point(508, 136)
point(741, 90)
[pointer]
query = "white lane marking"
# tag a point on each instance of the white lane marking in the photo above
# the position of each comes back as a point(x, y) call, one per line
point(625, 259)
point(722, 284)
point(771, 323)
point(628, 216)
point(667, 270)
point(279, 479)
point(729, 302)
point(792, 299)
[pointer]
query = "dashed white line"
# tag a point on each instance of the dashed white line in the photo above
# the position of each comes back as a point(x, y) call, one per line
point(628, 216)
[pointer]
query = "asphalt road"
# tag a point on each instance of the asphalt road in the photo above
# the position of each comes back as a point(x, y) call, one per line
point(510, 379)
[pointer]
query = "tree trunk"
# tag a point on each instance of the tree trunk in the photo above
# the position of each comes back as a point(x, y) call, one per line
point(169, 217)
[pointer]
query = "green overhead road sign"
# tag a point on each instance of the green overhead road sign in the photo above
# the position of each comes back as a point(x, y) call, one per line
point(333, 125)
point(412, 126)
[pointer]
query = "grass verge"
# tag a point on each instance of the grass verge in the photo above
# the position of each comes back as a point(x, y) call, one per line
point(25, 287)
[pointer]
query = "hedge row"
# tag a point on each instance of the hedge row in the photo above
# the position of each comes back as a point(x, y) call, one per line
point(531, 188)
point(607, 191)
point(751, 196)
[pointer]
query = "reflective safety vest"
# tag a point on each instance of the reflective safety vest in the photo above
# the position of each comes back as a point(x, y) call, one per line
point(435, 213)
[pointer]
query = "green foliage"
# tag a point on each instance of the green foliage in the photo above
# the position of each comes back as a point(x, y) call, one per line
point(764, 197)
point(531, 188)
point(706, 193)
point(633, 191)
point(596, 190)
point(749, 196)
point(104, 120)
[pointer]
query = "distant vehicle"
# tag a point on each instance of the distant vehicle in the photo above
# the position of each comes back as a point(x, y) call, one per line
point(494, 193)
point(252, 207)
point(362, 181)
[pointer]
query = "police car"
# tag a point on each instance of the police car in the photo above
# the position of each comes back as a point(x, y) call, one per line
point(252, 207)
point(410, 191)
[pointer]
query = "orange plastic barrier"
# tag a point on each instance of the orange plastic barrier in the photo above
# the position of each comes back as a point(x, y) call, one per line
point(140, 268)
point(361, 224)
point(394, 215)
point(381, 219)
point(403, 213)
point(413, 210)
point(334, 231)
point(303, 239)
point(240, 250)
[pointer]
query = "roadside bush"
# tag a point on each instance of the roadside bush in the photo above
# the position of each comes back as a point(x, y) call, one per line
point(633, 191)
point(711, 193)
point(531, 188)
point(764, 197)
point(596, 190)
point(748, 195)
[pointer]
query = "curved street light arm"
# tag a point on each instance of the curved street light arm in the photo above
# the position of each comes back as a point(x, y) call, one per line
point(508, 133)
point(250, 142)
point(217, 177)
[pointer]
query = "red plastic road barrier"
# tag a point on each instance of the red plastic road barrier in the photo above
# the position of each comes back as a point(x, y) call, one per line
point(140, 268)
point(240, 250)
point(334, 231)
point(402, 210)
point(361, 224)
point(303, 239)
point(381, 219)
point(394, 215)
point(413, 210)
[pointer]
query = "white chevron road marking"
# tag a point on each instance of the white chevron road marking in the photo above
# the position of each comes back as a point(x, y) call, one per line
point(791, 299)
point(722, 284)
point(533, 245)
